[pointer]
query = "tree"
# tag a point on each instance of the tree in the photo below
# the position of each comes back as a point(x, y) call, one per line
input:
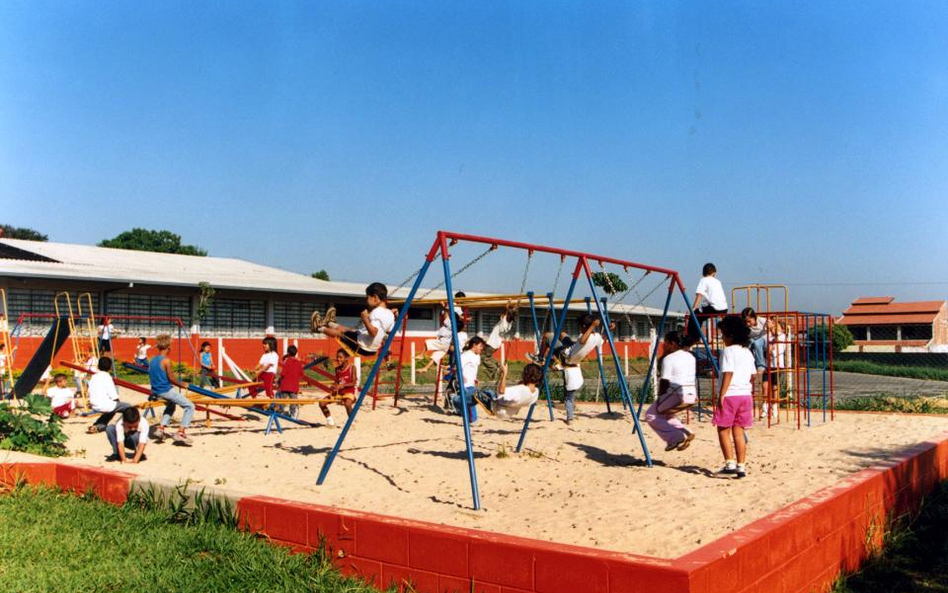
point(147, 240)
point(321, 275)
point(16, 232)
point(841, 336)
point(609, 282)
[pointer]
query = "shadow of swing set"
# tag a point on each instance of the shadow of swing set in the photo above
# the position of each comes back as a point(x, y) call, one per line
point(441, 247)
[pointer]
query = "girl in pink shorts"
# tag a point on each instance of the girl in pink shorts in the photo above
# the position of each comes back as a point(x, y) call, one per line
point(734, 410)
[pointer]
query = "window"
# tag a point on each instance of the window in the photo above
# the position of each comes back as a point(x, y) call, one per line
point(25, 301)
point(858, 332)
point(149, 305)
point(883, 332)
point(916, 332)
point(292, 319)
point(487, 322)
point(235, 318)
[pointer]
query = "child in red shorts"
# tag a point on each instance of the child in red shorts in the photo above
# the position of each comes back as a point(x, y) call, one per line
point(734, 411)
point(343, 386)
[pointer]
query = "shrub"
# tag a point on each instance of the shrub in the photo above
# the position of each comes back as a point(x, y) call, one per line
point(33, 428)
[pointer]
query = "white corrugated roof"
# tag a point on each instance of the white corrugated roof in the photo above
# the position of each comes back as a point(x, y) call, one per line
point(85, 262)
point(104, 264)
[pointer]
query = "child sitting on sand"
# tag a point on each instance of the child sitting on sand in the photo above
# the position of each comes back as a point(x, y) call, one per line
point(734, 411)
point(676, 391)
point(343, 386)
point(130, 433)
point(377, 321)
point(61, 398)
point(509, 400)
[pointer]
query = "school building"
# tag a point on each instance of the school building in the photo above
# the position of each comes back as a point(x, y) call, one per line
point(879, 324)
point(250, 301)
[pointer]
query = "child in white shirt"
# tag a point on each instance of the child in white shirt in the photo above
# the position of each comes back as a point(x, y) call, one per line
point(103, 396)
point(734, 409)
point(510, 400)
point(377, 322)
point(494, 341)
point(711, 290)
point(569, 354)
point(267, 367)
point(131, 432)
point(61, 398)
point(470, 363)
point(441, 343)
point(141, 352)
point(676, 392)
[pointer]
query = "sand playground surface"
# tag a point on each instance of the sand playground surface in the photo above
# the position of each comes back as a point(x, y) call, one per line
point(584, 484)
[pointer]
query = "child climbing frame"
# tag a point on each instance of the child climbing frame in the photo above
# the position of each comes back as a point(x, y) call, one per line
point(441, 246)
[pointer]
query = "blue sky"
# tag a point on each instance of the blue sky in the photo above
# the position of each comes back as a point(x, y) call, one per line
point(788, 142)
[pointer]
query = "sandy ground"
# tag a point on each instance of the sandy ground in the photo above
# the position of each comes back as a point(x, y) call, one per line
point(584, 484)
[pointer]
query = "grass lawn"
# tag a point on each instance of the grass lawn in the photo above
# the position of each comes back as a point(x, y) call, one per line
point(914, 555)
point(60, 542)
point(888, 370)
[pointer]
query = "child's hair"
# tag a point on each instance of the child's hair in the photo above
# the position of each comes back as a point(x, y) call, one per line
point(205, 345)
point(105, 350)
point(708, 269)
point(585, 321)
point(131, 415)
point(59, 376)
point(105, 364)
point(291, 350)
point(734, 330)
point(142, 340)
point(748, 312)
point(473, 342)
point(459, 294)
point(377, 289)
point(532, 374)
point(343, 352)
point(678, 338)
point(271, 342)
point(3, 346)
point(163, 342)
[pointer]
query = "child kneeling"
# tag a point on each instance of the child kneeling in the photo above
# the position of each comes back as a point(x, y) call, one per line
point(676, 392)
point(130, 433)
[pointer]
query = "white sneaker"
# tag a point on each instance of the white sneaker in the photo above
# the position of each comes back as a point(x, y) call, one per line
point(330, 421)
point(741, 470)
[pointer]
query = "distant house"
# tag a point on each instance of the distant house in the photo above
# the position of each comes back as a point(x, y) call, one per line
point(879, 324)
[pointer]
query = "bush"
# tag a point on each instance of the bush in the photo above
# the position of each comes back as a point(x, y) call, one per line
point(33, 428)
point(842, 338)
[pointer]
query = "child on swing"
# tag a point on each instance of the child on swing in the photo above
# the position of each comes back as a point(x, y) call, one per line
point(440, 345)
point(377, 321)
point(734, 411)
point(470, 363)
point(676, 391)
point(570, 353)
point(510, 400)
point(343, 386)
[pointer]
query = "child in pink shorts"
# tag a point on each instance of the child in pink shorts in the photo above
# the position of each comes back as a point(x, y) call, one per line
point(735, 407)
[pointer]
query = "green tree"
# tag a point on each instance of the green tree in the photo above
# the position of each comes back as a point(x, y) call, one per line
point(321, 275)
point(16, 232)
point(147, 240)
point(841, 336)
point(609, 282)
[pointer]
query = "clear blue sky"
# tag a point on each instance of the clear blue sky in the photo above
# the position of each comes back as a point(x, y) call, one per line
point(804, 143)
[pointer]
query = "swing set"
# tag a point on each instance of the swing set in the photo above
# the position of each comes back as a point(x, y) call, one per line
point(441, 247)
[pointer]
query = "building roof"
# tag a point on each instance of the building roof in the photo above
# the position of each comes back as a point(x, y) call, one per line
point(884, 311)
point(68, 261)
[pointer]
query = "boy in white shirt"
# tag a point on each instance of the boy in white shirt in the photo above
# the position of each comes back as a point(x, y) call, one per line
point(569, 354)
point(103, 396)
point(106, 332)
point(711, 290)
point(61, 398)
point(377, 321)
point(129, 433)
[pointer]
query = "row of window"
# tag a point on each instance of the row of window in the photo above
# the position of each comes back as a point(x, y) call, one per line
point(891, 332)
point(235, 318)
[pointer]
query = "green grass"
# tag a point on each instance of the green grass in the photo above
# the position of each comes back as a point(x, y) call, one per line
point(913, 557)
point(872, 368)
point(56, 542)
point(889, 403)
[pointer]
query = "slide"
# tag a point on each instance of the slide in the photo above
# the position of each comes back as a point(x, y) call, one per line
point(54, 340)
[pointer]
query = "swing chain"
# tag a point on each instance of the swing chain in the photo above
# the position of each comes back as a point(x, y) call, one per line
point(461, 271)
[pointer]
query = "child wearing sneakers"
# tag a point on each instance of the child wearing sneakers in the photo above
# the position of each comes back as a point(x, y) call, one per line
point(130, 433)
point(676, 392)
point(377, 321)
point(103, 397)
point(734, 411)
point(441, 344)
point(470, 363)
point(494, 341)
point(291, 373)
point(569, 354)
point(343, 386)
point(159, 376)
